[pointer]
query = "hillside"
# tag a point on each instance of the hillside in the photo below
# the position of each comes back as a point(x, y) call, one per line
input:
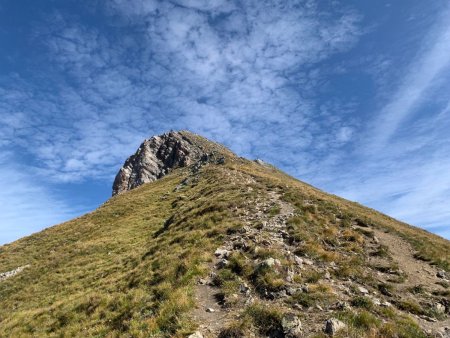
point(219, 246)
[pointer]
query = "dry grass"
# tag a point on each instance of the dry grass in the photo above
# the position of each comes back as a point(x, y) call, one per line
point(128, 268)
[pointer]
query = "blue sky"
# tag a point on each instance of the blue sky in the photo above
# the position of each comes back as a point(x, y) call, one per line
point(350, 96)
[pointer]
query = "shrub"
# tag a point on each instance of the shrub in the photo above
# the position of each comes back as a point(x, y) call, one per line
point(267, 320)
point(362, 302)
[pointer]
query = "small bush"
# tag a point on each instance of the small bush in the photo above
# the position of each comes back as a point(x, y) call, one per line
point(381, 251)
point(235, 330)
point(312, 276)
point(362, 302)
point(417, 289)
point(365, 320)
point(402, 328)
point(386, 289)
point(410, 306)
point(265, 279)
point(267, 320)
point(275, 210)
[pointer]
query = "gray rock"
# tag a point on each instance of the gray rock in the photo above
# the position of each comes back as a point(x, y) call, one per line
point(308, 262)
point(342, 306)
point(443, 332)
point(222, 253)
point(440, 274)
point(270, 262)
point(376, 301)
point(292, 326)
point(202, 281)
point(12, 273)
point(298, 307)
point(333, 326)
point(261, 162)
point(222, 263)
point(363, 290)
point(298, 260)
point(291, 290)
point(277, 295)
point(439, 308)
point(210, 310)
point(156, 157)
point(290, 276)
point(243, 288)
point(196, 334)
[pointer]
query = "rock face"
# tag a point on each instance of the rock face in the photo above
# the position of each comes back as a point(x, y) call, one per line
point(155, 158)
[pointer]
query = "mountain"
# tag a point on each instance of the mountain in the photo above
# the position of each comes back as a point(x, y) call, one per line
point(198, 242)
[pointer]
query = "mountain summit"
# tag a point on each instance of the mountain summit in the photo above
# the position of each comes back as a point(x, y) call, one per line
point(159, 155)
point(198, 242)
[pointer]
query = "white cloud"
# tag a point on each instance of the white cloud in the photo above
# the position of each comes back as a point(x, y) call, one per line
point(213, 67)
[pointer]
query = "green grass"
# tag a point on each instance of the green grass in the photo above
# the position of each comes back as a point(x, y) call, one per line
point(266, 319)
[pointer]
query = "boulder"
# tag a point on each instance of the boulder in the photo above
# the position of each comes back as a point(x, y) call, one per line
point(308, 262)
point(270, 262)
point(333, 326)
point(222, 263)
point(243, 288)
point(363, 290)
point(439, 308)
point(298, 261)
point(222, 253)
point(440, 274)
point(196, 334)
point(292, 326)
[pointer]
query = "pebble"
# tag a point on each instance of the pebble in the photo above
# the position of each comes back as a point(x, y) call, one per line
point(363, 290)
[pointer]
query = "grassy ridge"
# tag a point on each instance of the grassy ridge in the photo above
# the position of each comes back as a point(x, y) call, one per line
point(127, 269)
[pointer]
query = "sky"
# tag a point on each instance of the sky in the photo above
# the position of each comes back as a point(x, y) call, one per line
point(350, 96)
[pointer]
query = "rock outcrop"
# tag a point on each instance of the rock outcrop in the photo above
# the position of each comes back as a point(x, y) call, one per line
point(157, 156)
point(12, 273)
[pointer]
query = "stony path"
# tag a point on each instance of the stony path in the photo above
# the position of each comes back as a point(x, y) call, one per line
point(209, 314)
point(419, 272)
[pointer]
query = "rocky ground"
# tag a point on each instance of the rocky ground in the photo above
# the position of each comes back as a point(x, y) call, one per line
point(388, 262)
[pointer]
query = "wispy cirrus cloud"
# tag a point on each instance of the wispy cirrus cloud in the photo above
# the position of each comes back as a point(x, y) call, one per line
point(401, 166)
point(421, 75)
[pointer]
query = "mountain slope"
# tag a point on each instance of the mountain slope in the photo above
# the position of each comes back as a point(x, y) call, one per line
point(146, 263)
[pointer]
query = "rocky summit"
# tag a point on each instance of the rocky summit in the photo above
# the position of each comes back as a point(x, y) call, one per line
point(157, 156)
point(198, 242)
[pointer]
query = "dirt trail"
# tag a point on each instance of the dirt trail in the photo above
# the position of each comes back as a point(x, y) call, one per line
point(419, 272)
point(211, 323)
